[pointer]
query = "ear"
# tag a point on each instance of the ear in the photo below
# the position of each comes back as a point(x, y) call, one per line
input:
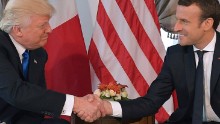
point(17, 30)
point(208, 24)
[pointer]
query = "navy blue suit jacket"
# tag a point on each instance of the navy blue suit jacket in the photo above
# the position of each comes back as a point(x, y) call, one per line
point(25, 100)
point(178, 73)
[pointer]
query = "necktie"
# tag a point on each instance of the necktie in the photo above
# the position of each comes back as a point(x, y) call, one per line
point(199, 91)
point(25, 63)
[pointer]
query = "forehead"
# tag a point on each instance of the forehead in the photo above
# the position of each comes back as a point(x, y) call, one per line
point(188, 12)
point(39, 18)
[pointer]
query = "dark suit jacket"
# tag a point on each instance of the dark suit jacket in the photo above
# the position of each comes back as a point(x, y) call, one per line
point(178, 72)
point(25, 101)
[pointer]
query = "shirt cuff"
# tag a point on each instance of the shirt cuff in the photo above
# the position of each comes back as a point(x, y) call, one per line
point(116, 108)
point(68, 106)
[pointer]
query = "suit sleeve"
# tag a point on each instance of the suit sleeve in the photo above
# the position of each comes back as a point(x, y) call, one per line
point(159, 91)
point(26, 95)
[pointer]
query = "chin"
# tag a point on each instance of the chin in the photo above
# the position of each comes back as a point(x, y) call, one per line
point(43, 43)
point(183, 44)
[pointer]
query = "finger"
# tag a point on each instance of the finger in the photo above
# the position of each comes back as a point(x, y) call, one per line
point(98, 115)
point(80, 114)
point(103, 110)
point(103, 113)
point(89, 119)
point(84, 116)
point(97, 97)
point(90, 98)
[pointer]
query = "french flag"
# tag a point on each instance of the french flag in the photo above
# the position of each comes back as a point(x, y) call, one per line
point(67, 69)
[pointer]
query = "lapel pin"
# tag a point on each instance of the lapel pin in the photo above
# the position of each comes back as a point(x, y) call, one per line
point(219, 58)
point(35, 61)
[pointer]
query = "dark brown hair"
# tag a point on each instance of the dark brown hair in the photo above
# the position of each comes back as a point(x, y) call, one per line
point(210, 9)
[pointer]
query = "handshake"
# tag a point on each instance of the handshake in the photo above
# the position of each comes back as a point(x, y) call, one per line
point(91, 107)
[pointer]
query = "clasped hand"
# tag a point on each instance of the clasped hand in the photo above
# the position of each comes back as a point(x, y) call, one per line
point(90, 107)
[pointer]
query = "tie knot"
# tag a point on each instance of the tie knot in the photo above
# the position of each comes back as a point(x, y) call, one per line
point(200, 53)
point(25, 54)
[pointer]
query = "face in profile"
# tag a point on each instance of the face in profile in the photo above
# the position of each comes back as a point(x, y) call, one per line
point(189, 25)
point(35, 34)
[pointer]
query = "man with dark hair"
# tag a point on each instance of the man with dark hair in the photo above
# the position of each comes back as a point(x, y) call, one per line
point(183, 70)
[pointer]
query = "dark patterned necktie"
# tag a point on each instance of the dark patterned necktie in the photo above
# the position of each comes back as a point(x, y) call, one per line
point(25, 62)
point(199, 91)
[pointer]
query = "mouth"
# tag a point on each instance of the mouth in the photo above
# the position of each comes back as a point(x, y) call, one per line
point(181, 35)
point(45, 38)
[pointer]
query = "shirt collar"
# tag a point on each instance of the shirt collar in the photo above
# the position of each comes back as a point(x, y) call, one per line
point(18, 47)
point(210, 47)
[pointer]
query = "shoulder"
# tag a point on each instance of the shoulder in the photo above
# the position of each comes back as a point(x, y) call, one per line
point(4, 37)
point(6, 45)
point(178, 49)
point(218, 34)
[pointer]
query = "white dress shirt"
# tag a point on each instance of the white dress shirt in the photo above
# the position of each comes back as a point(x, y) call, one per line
point(208, 114)
point(69, 103)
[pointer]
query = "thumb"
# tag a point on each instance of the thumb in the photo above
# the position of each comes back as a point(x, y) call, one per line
point(90, 98)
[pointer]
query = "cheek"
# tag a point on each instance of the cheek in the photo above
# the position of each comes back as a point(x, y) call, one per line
point(39, 36)
point(186, 40)
point(43, 39)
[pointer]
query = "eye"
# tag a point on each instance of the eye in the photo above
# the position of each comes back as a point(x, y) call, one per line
point(44, 25)
point(185, 22)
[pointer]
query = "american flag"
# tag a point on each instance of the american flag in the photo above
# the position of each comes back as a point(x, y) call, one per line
point(126, 47)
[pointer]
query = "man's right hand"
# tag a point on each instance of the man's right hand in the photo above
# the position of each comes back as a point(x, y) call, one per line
point(89, 107)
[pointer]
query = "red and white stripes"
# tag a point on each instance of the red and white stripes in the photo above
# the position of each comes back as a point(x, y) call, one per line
point(126, 47)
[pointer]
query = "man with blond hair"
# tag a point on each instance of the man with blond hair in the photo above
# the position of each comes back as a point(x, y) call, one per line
point(24, 98)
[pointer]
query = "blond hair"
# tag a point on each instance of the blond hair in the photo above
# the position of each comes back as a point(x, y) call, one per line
point(18, 12)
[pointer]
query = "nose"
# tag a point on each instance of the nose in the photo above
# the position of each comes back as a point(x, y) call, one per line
point(178, 26)
point(48, 29)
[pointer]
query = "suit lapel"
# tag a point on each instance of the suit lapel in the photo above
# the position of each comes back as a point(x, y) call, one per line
point(190, 67)
point(35, 62)
point(33, 66)
point(17, 62)
point(215, 64)
point(13, 55)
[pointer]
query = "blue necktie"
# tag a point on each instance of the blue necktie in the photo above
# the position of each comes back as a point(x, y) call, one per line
point(199, 91)
point(25, 62)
